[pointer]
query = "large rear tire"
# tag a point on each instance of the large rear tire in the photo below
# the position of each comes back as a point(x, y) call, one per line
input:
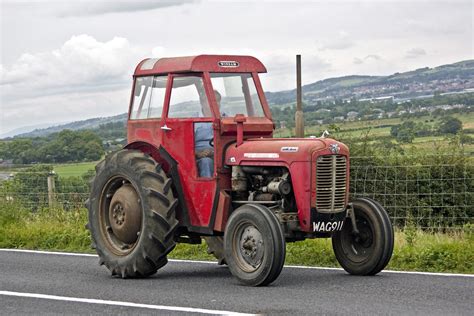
point(131, 214)
point(368, 252)
point(254, 245)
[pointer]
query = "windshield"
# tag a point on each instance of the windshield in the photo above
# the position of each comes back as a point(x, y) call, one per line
point(236, 94)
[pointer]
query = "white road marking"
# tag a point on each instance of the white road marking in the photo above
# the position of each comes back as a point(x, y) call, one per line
point(117, 303)
point(390, 271)
point(50, 252)
point(215, 263)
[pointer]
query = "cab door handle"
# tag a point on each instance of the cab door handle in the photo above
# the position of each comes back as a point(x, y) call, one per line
point(166, 128)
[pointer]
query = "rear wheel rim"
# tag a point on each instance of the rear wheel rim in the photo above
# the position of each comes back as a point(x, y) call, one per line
point(120, 216)
point(248, 247)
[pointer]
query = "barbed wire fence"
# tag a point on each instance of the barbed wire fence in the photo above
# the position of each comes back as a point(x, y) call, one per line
point(435, 196)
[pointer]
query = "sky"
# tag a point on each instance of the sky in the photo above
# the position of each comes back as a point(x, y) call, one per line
point(62, 61)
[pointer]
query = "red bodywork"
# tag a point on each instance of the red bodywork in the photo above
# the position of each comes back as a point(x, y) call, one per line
point(301, 165)
point(205, 202)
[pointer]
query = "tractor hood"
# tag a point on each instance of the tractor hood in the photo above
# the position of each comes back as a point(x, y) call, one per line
point(278, 151)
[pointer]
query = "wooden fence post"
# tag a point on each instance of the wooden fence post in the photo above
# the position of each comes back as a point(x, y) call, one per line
point(51, 189)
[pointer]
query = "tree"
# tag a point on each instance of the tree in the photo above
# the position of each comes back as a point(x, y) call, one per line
point(65, 146)
point(405, 132)
point(450, 125)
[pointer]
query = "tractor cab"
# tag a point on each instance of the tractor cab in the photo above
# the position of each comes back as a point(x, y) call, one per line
point(193, 108)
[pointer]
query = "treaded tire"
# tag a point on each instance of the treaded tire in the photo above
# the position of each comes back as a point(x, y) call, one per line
point(263, 226)
point(145, 255)
point(390, 238)
point(215, 247)
point(371, 254)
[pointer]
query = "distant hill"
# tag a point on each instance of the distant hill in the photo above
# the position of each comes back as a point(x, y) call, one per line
point(92, 123)
point(423, 82)
point(426, 81)
point(25, 129)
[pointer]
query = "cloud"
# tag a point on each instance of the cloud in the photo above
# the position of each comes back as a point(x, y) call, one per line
point(357, 61)
point(81, 64)
point(157, 51)
point(415, 53)
point(82, 78)
point(373, 57)
point(342, 41)
point(281, 67)
point(91, 8)
point(368, 58)
point(56, 109)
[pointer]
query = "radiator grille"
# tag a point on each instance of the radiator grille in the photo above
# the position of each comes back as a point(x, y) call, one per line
point(331, 183)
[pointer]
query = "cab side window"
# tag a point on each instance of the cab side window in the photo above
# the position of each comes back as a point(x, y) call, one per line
point(188, 98)
point(149, 96)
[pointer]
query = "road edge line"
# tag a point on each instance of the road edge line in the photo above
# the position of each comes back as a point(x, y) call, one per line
point(215, 263)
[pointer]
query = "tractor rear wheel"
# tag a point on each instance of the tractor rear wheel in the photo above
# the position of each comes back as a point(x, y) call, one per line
point(370, 250)
point(131, 214)
point(254, 245)
point(215, 247)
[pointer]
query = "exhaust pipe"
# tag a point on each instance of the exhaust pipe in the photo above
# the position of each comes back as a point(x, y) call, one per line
point(299, 120)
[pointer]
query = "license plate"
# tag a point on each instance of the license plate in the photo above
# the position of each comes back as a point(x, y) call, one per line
point(327, 226)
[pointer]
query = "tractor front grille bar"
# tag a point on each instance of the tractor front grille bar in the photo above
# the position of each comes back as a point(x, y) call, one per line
point(331, 177)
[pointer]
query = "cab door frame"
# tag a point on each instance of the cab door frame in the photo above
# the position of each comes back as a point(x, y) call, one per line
point(199, 193)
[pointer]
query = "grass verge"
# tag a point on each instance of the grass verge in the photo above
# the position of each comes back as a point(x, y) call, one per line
point(64, 231)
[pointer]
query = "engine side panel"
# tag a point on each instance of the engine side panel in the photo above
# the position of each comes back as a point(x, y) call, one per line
point(299, 157)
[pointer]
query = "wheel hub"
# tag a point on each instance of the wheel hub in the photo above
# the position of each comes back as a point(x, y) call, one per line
point(118, 214)
point(251, 246)
point(125, 214)
point(358, 246)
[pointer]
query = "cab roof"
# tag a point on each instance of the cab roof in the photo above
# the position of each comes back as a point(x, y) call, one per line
point(200, 63)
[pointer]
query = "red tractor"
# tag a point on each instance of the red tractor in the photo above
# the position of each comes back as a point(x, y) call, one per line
point(201, 162)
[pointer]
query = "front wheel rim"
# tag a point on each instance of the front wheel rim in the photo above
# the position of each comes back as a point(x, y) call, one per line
point(248, 247)
point(359, 247)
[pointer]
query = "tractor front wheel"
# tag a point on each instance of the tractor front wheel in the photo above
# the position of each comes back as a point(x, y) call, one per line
point(131, 214)
point(369, 250)
point(254, 245)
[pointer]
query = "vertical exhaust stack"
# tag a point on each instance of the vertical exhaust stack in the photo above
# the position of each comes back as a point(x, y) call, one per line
point(299, 120)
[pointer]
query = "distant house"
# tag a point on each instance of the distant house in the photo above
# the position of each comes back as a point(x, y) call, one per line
point(282, 124)
point(339, 119)
point(322, 111)
point(378, 99)
point(352, 115)
point(385, 98)
point(6, 162)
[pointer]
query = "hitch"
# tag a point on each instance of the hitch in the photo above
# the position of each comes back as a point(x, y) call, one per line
point(351, 214)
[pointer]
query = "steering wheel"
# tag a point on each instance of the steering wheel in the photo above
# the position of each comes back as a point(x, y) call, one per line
point(211, 142)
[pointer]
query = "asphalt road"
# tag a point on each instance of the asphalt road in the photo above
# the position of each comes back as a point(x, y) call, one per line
point(40, 283)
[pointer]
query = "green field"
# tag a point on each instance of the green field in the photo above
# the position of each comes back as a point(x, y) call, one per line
point(74, 169)
point(378, 127)
point(381, 128)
